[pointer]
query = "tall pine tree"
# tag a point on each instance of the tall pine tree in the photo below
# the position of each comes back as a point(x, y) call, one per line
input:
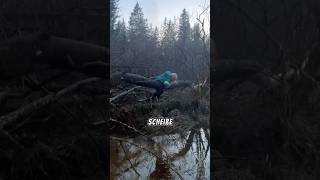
point(185, 60)
point(168, 42)
point(121, 32)
point(138, 34)
point(114, 9)
point(184, 34)
point(137, 25)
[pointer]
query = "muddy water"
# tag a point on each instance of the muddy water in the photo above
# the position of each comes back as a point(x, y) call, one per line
point(174, 156)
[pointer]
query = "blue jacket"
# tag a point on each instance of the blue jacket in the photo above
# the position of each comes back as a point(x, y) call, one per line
point(165, 78)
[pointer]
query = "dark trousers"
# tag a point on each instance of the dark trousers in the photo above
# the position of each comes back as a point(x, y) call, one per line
point(155, 84)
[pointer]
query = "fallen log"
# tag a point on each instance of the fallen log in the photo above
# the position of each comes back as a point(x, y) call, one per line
point(37, 104)
point(21, 55)
point(181, 84)
point(131, 78)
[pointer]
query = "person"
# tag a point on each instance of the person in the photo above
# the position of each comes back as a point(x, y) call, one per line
point(160, 83)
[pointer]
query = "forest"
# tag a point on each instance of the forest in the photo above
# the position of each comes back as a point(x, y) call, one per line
point(260, 90)
point(140, 51)
point(177, 45)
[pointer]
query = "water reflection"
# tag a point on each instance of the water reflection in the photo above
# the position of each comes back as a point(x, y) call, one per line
point(173, 156)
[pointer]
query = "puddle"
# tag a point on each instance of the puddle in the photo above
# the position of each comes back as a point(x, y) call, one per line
point(174, 156)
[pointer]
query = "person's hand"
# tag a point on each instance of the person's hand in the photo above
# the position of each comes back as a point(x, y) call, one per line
point(166, 84)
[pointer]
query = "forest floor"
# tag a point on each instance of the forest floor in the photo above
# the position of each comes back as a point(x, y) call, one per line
point(140, 151)
point(54, 135)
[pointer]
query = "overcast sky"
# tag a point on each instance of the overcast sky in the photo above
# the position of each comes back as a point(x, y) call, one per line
point(156, 10)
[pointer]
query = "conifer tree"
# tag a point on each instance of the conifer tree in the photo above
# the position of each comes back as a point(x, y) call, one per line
point(114, 9)
point(184, 34)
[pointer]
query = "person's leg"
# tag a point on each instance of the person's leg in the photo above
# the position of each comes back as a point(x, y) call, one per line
point(159, 90)
point(151, 84)
point(158, 93)
point(155, 84)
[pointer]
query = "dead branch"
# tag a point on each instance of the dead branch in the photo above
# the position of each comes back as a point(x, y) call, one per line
point(9, 140)
point(185, 149)
point(123, 94)
point(25, 110)
point(130, 127)
point(203, 38)
point(147, 150)
point(127, 157)
point(139, 132)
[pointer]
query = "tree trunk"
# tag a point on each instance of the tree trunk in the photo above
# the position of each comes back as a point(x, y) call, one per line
point(22, 55)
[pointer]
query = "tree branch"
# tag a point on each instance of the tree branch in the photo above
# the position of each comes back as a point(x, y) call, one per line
point(37, 104)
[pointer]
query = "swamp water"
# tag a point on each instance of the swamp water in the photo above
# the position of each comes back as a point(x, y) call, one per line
point(171, 156)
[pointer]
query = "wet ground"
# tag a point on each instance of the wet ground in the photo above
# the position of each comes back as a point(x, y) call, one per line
point(171, 156)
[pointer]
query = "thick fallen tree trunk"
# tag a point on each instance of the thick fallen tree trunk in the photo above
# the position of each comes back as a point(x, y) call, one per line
point(181, 84)
point(132, 78)
point(119, 77)
point(25, 54)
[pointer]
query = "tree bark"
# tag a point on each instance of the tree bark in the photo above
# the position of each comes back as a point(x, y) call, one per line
point(134, 78)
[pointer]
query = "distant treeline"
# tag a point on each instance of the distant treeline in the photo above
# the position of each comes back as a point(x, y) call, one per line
point(176, 45)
